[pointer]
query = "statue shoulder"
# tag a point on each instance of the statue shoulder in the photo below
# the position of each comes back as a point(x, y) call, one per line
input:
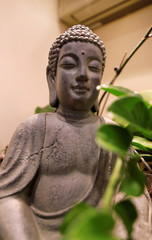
point(30, 132)
point(35, 120)
point(34, 123)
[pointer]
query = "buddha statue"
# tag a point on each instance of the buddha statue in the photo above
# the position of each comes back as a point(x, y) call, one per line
point(53, 161)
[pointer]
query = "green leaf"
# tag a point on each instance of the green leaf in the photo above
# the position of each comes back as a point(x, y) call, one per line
point(133, 111)
point(74, 213)
point(128, 214)
point(88, 225)
point(142, 144)
point(117, 90)
point(147, 96)
point(150, 113)
point(113, 138)
point(133, 182)
point(47, 108)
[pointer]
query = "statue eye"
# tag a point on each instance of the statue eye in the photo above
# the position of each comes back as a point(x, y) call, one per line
point(95, 66)
point(67, 63)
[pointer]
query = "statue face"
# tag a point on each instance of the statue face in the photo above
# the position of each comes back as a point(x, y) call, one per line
point(79, 71)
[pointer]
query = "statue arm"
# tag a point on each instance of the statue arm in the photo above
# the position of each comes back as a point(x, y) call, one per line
point(17, 171)
point(23, 156)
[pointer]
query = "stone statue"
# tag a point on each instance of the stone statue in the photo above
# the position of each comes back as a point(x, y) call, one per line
point(52, 161)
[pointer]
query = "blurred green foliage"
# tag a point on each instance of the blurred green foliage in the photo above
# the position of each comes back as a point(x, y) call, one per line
point(47, 108)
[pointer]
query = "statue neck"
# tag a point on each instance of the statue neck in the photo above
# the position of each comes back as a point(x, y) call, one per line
point(75, 116)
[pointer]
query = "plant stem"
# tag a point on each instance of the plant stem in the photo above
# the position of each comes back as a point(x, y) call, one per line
point(110, 190)
point(123, 64)
point(135, 50)
point(146, 164)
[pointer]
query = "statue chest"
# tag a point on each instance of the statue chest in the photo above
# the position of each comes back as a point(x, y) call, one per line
point(68, 148)
point(68, 166)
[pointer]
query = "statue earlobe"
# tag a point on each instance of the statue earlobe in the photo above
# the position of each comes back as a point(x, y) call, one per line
point(53, 100)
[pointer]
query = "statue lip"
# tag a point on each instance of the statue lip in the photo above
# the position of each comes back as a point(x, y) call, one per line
point(80, 88)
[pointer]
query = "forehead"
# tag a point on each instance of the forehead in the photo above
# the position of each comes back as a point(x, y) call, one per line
point(81, 48)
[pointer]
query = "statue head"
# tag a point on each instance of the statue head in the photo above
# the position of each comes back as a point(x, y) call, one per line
point(77, 33)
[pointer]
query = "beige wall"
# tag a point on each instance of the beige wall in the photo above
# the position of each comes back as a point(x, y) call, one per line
point(28, 28)
point(123, 35)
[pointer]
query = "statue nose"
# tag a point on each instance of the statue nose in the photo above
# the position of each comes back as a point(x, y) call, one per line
point(82, 76)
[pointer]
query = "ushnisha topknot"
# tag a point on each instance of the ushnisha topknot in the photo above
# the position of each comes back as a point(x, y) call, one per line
point(75, 33)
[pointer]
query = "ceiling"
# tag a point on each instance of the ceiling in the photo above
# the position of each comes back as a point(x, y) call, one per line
point(95, 13)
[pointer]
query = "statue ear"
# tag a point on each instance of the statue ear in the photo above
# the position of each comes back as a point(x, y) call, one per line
point(53, 100)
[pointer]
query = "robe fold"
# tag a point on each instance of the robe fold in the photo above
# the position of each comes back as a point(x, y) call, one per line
point(23, 156)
